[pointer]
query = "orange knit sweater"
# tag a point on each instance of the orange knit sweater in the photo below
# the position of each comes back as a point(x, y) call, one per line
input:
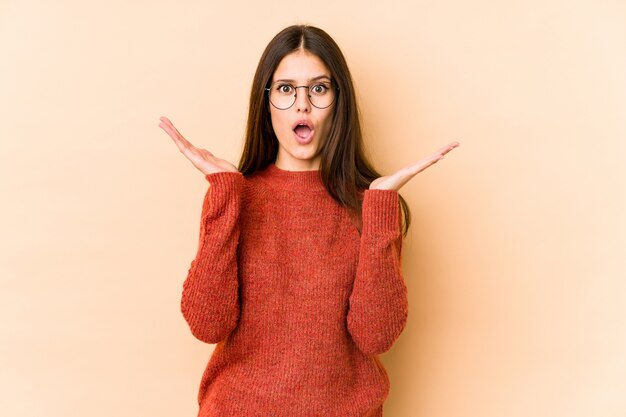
point(299, 303)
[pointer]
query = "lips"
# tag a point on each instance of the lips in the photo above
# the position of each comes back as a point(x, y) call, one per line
point(303, 130)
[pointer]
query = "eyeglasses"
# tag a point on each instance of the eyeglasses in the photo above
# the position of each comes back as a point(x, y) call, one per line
point(283, 95)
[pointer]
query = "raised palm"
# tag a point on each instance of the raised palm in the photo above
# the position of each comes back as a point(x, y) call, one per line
point(403, 175)
point(202, 159)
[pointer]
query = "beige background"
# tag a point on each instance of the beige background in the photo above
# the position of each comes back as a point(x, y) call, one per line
point(515, 261)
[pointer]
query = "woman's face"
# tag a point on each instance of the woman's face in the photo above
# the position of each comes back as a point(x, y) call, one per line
point(302, 128)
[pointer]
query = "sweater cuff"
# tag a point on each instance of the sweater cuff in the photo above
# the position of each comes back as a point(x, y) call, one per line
point(380, 212)
point(224, 179)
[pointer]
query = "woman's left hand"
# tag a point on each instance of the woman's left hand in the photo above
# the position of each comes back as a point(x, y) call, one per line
point(401, 177)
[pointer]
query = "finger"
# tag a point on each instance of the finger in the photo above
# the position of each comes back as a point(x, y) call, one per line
point(174, 133)
point(166, 122)
point(183, 146)
point(179, 136)
point(406, 173)
point(447, 148)
point(416, 168)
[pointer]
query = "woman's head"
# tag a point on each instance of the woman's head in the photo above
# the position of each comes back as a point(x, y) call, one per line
point(262, 139)
point(301, 104)
point(303, 55)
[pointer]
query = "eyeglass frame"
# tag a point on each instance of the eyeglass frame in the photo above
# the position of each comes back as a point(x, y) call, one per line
point(295, 95)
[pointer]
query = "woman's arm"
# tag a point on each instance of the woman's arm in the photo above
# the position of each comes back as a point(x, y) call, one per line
point(378, 303)
point(210, 300)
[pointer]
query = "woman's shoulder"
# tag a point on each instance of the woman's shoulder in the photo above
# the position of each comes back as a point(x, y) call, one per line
point(256, 186)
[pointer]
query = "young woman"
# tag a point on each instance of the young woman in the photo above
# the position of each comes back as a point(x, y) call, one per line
point(297, 277)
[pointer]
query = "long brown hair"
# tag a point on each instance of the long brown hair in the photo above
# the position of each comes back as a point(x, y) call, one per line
point(344, 167)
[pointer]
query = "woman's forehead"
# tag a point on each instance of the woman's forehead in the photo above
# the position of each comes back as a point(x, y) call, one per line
point(301, 66)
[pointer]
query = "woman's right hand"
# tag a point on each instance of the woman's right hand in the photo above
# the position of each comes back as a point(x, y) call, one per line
point(202, 159)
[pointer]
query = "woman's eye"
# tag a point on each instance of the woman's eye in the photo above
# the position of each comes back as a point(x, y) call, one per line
point(319, 89)
point(285, 88)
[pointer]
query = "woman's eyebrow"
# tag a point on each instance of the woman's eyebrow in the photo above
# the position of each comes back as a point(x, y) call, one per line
point(319, 77)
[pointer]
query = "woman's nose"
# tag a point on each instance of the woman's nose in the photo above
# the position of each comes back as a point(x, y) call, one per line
point(302, 100)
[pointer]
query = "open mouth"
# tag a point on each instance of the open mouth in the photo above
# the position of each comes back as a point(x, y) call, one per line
point(303, 129)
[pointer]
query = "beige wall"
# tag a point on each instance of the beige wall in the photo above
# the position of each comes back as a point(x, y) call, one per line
point(515, 261)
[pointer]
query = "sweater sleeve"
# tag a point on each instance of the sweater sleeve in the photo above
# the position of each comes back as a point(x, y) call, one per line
point(378, 303)
point(210, 299)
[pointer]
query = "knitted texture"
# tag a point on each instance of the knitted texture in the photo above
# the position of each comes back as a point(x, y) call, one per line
point(298, 301)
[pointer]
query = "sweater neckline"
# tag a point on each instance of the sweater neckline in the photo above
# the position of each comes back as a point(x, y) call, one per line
point(295, 180)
